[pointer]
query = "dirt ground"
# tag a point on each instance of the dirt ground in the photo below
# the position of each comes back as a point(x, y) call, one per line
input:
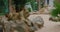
point(49, 26)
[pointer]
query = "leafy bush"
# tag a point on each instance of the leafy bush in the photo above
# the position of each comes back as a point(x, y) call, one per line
point(3, 7)
point(56, 11)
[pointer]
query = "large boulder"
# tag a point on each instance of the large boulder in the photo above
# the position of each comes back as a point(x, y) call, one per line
point(36, 20)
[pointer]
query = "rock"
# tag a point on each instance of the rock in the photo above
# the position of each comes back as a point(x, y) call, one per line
point(16, 25)
point(1, 28)
point(55, 19)
point(37, 21)
point(19, 22)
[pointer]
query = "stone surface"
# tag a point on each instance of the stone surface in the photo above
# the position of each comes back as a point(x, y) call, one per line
point(49, 26)
point(36, 20)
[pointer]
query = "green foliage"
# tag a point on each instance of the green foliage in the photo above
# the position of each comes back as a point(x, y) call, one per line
point(3, 7)
point(56, 11)
point(29, 9)
point(34, 4)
